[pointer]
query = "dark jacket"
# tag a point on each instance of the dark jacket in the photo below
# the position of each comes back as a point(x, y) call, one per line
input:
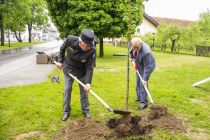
point(76, 61)
point(145, 60)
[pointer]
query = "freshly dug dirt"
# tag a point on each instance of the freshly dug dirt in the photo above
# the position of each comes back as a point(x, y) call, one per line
point(83, 130)
point(129, 126)
point(157, 112)
point(158, 116)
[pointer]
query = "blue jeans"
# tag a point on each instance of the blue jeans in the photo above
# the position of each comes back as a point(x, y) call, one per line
point(140, 91)
point(67, 95)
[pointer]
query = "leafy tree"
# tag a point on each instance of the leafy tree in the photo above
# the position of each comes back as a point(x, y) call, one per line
point(204, 25)
point(37, 15)
point(151, 39)
point(14, 18)
point(21, 10)
point(162, 37)
point(16, 14)
point(197, 33)
point(107, 18)
point(6, 10)
point(170, 32)
point(191, 37)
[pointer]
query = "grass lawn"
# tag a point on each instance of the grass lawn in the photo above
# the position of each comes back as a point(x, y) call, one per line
point(180, 51)
point(17, 45)
point(39, 107)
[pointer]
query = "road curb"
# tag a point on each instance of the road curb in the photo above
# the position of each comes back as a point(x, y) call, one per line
point(15, 50)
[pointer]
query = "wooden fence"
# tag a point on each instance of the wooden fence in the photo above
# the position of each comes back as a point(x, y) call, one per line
point(203, 51)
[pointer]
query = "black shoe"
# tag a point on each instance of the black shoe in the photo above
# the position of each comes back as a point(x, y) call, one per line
point(87, 115)
point(142, 107)
point(136, 100)
point(65, 116)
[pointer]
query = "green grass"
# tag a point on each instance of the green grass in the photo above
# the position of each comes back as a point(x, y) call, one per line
point(180, 51)
point(17, 45)
point(39, 107)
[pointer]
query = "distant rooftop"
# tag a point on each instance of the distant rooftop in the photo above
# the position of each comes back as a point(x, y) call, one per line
point(180, 22)
point(163, 21)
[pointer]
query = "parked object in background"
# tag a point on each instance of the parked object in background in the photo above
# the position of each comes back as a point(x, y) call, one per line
point(41, 52)
point(42, 59)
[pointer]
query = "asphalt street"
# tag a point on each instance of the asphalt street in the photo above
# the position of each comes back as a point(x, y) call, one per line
point(21, 69)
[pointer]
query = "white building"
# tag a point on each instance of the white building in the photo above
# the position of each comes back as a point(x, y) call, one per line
point(149, 25)
point(37, 34)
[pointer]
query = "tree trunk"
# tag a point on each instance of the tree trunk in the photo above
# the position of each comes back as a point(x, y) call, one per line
point(18, 38)
point(173, 45)
point(9, 37)
point(153, 44)
point(2, 29)
point(101, 54)
point(163, 47)
point(29, 32)
point(127, 73)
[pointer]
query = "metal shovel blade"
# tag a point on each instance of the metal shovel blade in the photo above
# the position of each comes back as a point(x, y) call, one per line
point(121, 112)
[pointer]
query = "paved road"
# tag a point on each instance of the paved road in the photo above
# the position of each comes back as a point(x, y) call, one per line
point(21, 68)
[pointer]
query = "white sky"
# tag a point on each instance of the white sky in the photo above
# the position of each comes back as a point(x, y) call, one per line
point(180, 9)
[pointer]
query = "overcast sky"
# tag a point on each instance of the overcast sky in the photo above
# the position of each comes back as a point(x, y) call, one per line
point(180, 9)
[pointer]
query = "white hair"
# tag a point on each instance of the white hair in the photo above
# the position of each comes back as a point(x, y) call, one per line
point(136, 40)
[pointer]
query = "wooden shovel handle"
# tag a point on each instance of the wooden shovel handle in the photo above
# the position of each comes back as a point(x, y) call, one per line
point(148, 93)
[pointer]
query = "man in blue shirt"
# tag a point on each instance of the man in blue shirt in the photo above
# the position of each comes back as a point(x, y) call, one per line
point(145, 64)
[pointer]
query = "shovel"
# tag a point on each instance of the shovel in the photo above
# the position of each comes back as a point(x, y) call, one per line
point(149, 95)
point(124, 113)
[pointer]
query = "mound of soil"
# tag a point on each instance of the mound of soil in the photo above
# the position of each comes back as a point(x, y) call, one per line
point(158, 116)
point(129, 126)
point(157, 112)
point(83, 130)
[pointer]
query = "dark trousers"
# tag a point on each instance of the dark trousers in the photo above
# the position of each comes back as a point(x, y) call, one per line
point(140, 91)
point(67, 95)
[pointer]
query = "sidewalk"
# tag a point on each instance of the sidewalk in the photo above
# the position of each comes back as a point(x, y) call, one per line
point(10, 50)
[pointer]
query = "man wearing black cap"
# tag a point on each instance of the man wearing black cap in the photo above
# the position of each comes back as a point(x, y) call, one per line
point(79, 61)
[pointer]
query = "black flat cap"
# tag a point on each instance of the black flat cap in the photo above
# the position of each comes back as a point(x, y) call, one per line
point(87, 36)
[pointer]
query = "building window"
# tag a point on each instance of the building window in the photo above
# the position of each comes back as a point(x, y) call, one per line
point(138, 31)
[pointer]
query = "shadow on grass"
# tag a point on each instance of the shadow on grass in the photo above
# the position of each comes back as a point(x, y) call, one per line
point(203, 88)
